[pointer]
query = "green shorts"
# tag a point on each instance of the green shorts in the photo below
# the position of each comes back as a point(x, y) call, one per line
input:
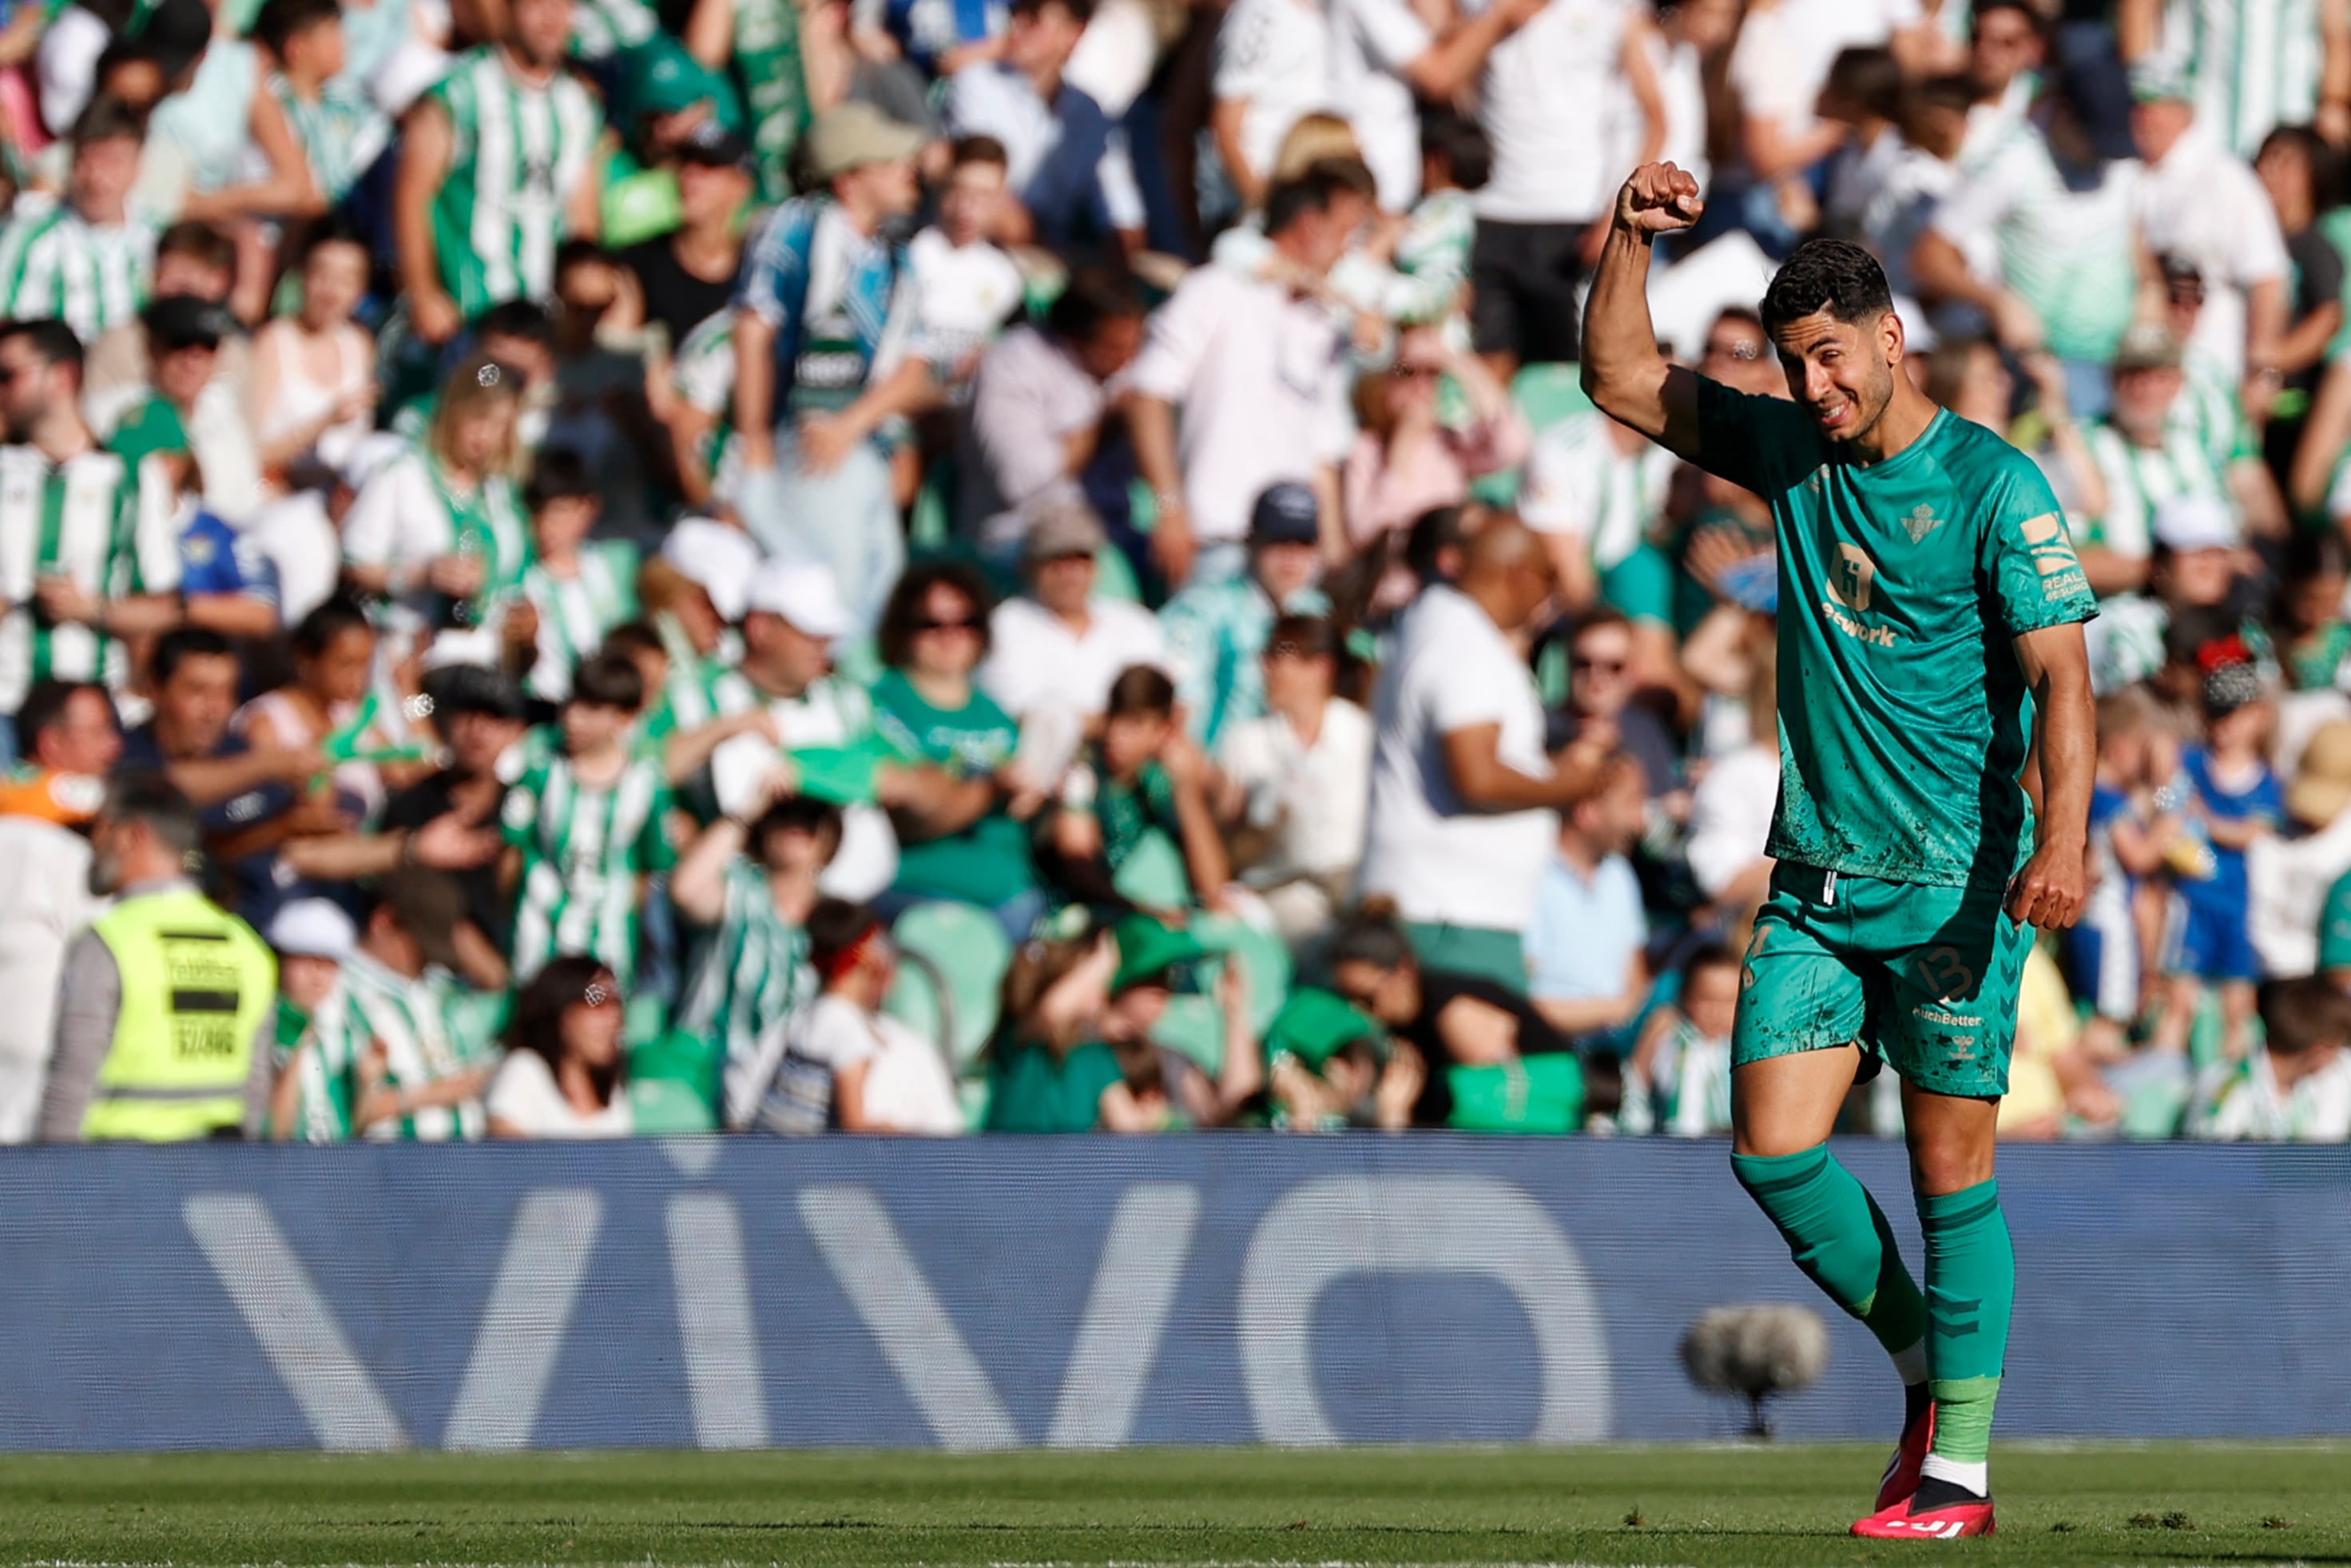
point(1924, 978)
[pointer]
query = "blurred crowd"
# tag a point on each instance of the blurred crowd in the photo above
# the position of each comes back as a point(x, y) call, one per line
point(937, 565)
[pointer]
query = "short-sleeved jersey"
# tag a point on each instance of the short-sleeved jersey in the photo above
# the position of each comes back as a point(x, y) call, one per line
point(94, 519)
point(1902, 717)
point(519, 153)
point(584, 849)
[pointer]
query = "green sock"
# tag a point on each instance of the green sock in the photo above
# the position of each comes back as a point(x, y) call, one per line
point(1839, 1238)
point(1971, 1289)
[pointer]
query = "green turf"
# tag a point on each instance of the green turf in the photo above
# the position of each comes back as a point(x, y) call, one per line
point(2161, 1504)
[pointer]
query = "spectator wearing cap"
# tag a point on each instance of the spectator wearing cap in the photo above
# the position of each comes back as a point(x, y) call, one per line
point(695, 593)
point(1073, 185)
point(1055, 649)
point(1046, 410)
point(45, 896)
point(390, 1050)
point(2200, 201)
point(313, 939)
point(85, 260)
point(478, 219)
point(186, 413)
point(1294, 782)
point(785, 697)
point(1217, 628)
point(1261, 373)
point(687, 276)
point(2146, 457)
point(97, 560)
point(823, 321)
point(965, 288)
point(478, 714)
point(564, 1071)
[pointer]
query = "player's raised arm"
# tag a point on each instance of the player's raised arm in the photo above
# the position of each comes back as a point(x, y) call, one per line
point(1622, 371)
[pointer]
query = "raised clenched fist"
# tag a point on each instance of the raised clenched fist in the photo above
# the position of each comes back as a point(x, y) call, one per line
point(1659, 199)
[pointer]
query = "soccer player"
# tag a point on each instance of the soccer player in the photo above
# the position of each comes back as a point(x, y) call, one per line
point(1928, 590)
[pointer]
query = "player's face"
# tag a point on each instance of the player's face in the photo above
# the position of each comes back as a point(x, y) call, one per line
point(1841, 372)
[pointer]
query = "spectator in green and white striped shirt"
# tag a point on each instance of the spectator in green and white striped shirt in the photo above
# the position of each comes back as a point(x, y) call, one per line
point(85, 261)
point(313, 938)
point(412, 1077)
point(498, 167)
point(576, 591)
point(750, 880)
point(341, 131)
point(586, 824)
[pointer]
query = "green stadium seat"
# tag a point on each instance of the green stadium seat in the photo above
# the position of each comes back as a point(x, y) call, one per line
point(1114, 576)
point(666, 1108)
point(1194, 1026)
point(1264, 960)
point(1547, 394)
point(1154, 874)
point(965, 954)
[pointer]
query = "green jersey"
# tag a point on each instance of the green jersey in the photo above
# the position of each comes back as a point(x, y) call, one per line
point(2255, 64)
point(406, 1021)
point(753, 975)
point(988, 863)
point(89, 519)
point(575, 611)
point(585, 850)
point(775, 87)
point(90, 275)
point(319, 1056)
point(341, 132)
point(148, 428)
point(1902, 717)
point(518, 151)
point(1032, 1088)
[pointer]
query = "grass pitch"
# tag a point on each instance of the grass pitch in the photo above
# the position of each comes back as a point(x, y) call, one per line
point(1703, 1506)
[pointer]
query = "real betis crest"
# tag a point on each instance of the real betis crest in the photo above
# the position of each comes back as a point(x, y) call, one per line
point(1921, 522)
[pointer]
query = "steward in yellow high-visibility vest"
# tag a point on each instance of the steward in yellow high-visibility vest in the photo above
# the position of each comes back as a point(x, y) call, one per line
point(166, 1008)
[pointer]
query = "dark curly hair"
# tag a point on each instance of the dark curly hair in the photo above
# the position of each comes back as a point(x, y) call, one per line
point(895, 635)
point(1832, 275)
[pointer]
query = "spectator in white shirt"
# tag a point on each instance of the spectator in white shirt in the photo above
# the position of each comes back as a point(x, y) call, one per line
point(1295, 782)
point(1273, 65)
point(1463, 797)
point(1054, 651)
point(1385, 60)
point(2203, 203)
point(562, 1079)
point(844, 1066)
point(1042, 404)
point(2005, 49)
point(965, 288)
point(1545, 100)
point(1263, 373)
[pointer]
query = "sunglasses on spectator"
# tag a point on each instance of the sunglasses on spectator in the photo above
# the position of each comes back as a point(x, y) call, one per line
point(961, 623)
point(1599, 666)
point(1733, 348)
point(1287, 649)
point(1405, 373)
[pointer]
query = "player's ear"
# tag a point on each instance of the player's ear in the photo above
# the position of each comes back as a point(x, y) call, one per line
point(1890, 337)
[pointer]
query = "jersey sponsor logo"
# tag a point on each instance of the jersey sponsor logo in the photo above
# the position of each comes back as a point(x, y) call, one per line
point(1876, 636)
point(2052, 556)
point(1921, 522)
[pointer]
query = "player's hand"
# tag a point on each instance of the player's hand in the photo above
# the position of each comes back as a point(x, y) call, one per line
point(2048, 891)
point(1659, 198)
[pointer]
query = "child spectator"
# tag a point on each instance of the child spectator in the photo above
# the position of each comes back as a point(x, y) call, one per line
point(562, 1074)
point(1678, 1080)
point(2293, 1088)
point(844, 1066)
point(2233, 799)
point(340, 132)
point(586, 825)
point(1144, 773)
point(578, 592)
point(2105, 956)
point(965, 288)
